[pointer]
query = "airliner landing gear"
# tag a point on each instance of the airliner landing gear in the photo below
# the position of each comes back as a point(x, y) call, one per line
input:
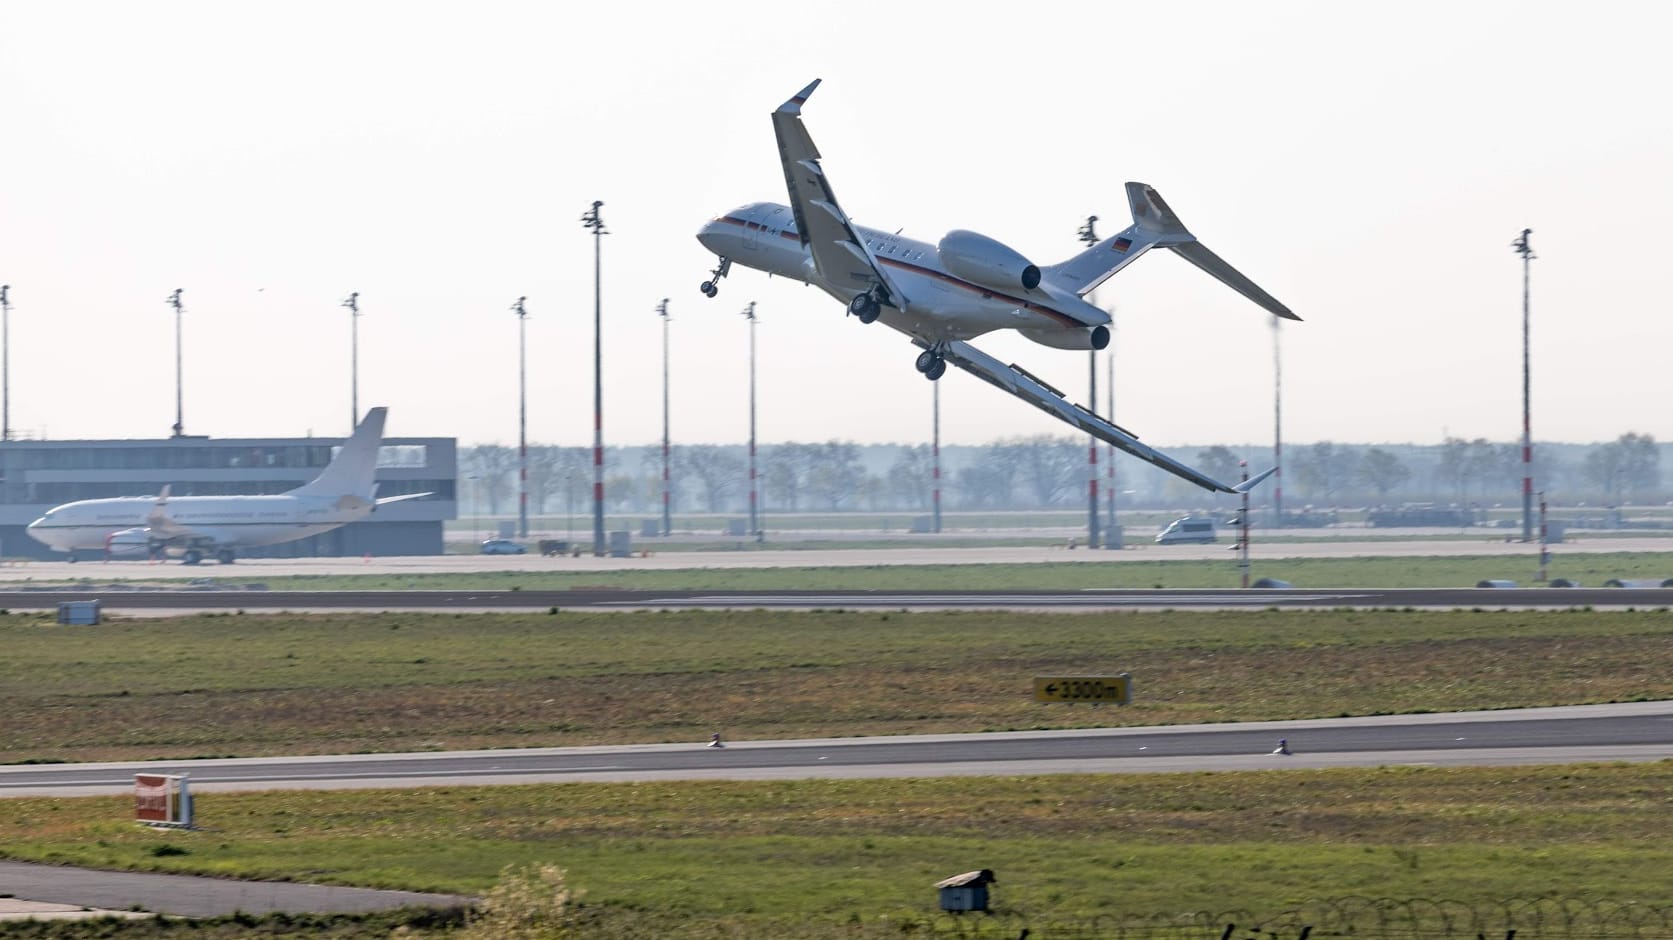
point(191, 557)
point(866, 307)
point(711, 287)
point(931, 363)
point(226, 556)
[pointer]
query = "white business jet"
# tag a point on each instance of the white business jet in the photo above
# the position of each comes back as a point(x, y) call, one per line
point(194, 527)
point(967, 284)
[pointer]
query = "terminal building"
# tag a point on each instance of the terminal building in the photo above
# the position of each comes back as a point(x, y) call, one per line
point(37, 475)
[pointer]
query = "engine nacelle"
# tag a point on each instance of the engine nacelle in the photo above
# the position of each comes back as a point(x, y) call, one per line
point(129, 543)
point(1096, 337)
point(978, 258)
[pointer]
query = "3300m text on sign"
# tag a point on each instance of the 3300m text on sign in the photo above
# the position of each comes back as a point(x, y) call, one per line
point(1116, 689)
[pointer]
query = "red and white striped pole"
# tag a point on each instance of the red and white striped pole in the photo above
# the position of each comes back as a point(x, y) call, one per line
point(1526, 250)
point(1088, 235)
point(1277, 429)
point(667, 501)
point(754, 519)
point(522, 420)
point(592, 220)
point(935, 456)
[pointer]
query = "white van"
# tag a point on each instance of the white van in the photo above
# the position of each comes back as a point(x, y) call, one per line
point(1199, 529)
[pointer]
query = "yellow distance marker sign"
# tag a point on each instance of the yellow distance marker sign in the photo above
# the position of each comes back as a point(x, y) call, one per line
point(1117, 690)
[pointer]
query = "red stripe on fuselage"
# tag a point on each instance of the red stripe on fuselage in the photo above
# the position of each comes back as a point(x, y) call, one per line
point(987, 292)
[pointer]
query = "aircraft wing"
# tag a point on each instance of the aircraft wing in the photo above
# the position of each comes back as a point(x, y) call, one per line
point(839, 252)
point(1019, 382)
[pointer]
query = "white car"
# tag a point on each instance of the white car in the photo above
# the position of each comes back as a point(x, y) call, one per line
point(502, 547)
point(1198, 529)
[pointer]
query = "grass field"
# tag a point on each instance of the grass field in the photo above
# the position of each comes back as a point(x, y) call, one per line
point(803, 858)
point(704, 855)
point(255, 685)
point(1069, 575)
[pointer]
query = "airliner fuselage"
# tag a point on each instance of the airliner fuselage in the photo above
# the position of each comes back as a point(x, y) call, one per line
point(88, 525)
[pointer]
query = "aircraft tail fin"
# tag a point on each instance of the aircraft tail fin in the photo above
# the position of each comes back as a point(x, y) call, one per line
point(351, 472)
point(1154, 226)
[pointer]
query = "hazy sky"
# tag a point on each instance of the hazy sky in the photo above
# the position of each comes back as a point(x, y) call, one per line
point(1368, 164)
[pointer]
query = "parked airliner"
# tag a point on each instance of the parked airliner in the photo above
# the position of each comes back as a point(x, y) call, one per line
point(194, 527)
point(965, 285)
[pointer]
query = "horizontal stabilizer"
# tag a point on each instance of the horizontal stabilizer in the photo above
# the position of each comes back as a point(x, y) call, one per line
point(1023, 385)
point(1155, 225)
point(1197, 254)
point(1252, 482)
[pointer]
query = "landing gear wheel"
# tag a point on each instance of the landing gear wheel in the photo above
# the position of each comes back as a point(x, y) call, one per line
point(865, 307)
point(709, 289)
point(226, 556)
point(72, 558)
point(926, 359)
point(937, 370)
point(192, 557)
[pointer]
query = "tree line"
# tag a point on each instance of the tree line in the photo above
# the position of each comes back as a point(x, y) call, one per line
point(1044, 472)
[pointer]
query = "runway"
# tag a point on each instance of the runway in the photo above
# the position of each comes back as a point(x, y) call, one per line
point(1624, 732)
point(751, 555)
point(121, 599)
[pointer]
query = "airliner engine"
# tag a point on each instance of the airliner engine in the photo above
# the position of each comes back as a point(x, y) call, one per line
point(987, 262)
point(129, 543)
point(1096, 337)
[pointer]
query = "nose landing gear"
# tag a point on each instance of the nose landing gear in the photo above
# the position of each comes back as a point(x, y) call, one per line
point(711, 287)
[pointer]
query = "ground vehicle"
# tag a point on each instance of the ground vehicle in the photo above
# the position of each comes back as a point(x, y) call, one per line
point(1198, 529)
point(502, 547)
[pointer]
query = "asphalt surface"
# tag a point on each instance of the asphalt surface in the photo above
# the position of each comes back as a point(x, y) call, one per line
point(1635, 731)
point(188, 896)
point(122, 598)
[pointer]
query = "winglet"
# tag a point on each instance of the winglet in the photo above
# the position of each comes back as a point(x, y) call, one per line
point(158, 516)
point(1250, 483)
point(794, 105)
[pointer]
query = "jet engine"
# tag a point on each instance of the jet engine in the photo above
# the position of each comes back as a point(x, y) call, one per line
point(989, 263)
point(1096, 337)
point(129, 543)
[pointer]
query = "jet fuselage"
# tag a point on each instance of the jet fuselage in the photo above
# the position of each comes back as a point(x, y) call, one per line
point(940, 305)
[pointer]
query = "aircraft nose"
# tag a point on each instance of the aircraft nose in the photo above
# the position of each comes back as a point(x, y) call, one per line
point(717, 236)
point(36, 532)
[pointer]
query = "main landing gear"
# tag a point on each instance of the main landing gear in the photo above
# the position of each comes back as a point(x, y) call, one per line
point(931, 363)
point(867, 307)
point(711, 287)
